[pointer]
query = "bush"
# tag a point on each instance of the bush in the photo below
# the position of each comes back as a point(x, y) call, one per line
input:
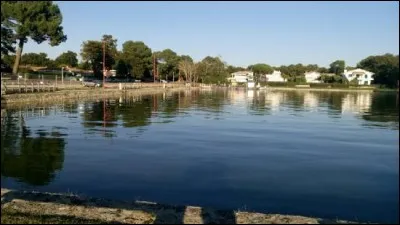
point(329, 85)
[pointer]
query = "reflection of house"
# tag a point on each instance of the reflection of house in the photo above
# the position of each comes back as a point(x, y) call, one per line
point(312, 77)
point(363, 77)
point(275, 76)
point(274, 99)
point(357, 102)
point(310, 100)
point(241, 77)
point(238, 96)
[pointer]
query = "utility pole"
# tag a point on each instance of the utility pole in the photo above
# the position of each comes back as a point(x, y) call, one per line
point(104, 63)
point(154, 68)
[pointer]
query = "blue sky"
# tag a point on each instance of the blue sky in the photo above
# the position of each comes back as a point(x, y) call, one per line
point(242, 33)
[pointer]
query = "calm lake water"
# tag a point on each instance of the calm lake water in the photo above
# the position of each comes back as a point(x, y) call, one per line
point(321, 154)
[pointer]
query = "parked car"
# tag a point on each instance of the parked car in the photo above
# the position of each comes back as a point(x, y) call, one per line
point(92, 83)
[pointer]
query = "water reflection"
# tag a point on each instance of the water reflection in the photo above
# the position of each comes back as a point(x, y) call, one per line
point(32, 159)
point(164, 148)
point(103, 117)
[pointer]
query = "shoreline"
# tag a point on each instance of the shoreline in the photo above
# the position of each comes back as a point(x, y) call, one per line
point(323, 89)
point(61, 207)
point(82, 94)
point(66, 95)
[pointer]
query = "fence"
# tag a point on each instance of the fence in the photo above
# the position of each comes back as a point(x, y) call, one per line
point(22, 85)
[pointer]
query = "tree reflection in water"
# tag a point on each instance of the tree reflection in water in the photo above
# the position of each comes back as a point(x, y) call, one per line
point(31, 160)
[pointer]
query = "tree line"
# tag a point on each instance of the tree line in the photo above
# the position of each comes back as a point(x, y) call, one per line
point(41, 21)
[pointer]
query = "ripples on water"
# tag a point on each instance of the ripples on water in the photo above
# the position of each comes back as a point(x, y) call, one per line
point(322, 154)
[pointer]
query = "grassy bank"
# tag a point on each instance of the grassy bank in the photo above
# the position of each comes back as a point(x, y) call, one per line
point(35, 207)
point(81, 94)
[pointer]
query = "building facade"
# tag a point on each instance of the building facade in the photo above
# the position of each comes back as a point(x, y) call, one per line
point(363, 77)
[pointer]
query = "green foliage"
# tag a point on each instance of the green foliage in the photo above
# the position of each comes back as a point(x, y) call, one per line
point(323, 70)
point(122, 68)
point(233, 69)
point(7, 38)
point(331, 79)
point(68, 58)
point(211, 70)
point(337, 67)
point(7, 61)
point(40, 21)
point(170, 67)
point(35, 59)
point(260, 69)
point(84, 65)
point(139, 57)
point(385, 69)
point(292, 71)
point(92, 52)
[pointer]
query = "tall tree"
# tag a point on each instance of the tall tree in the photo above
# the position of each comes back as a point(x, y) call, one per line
point(40, 21)
point(260, 69)
point(337, 67)
point(92, 52)
point(122, 68)
point(188, 68)
point(35, 59)
point(385, 67)
point(170, 65)
point(139, 56)
point(212, 70)
point(7, 38)
point(68, 58)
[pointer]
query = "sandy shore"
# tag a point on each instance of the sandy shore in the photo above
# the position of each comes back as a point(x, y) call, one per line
point(41, 206)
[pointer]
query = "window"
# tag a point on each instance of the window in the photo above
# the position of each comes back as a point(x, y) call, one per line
point(365, 76)
point(365, 82)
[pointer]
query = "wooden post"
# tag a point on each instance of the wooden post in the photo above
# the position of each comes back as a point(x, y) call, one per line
point(33, 89)
point(38, 86)
point(56, 80)
point(26, 88)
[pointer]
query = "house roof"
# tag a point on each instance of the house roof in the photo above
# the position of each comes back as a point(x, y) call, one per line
point(358, 70)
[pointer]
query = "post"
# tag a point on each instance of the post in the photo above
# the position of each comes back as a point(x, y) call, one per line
point(154, 67)
point(173, 76)
point(56, 80)
point(33, 89)
point(104, 63)
point(62, 76)
point(19, 87)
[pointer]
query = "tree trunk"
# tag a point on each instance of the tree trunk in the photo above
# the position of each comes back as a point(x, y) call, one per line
point(18, 55)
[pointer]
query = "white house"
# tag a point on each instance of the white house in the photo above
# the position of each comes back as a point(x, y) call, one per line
point(241, 77)
point(312, 77)
point(363, 77)
point(275, 76)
